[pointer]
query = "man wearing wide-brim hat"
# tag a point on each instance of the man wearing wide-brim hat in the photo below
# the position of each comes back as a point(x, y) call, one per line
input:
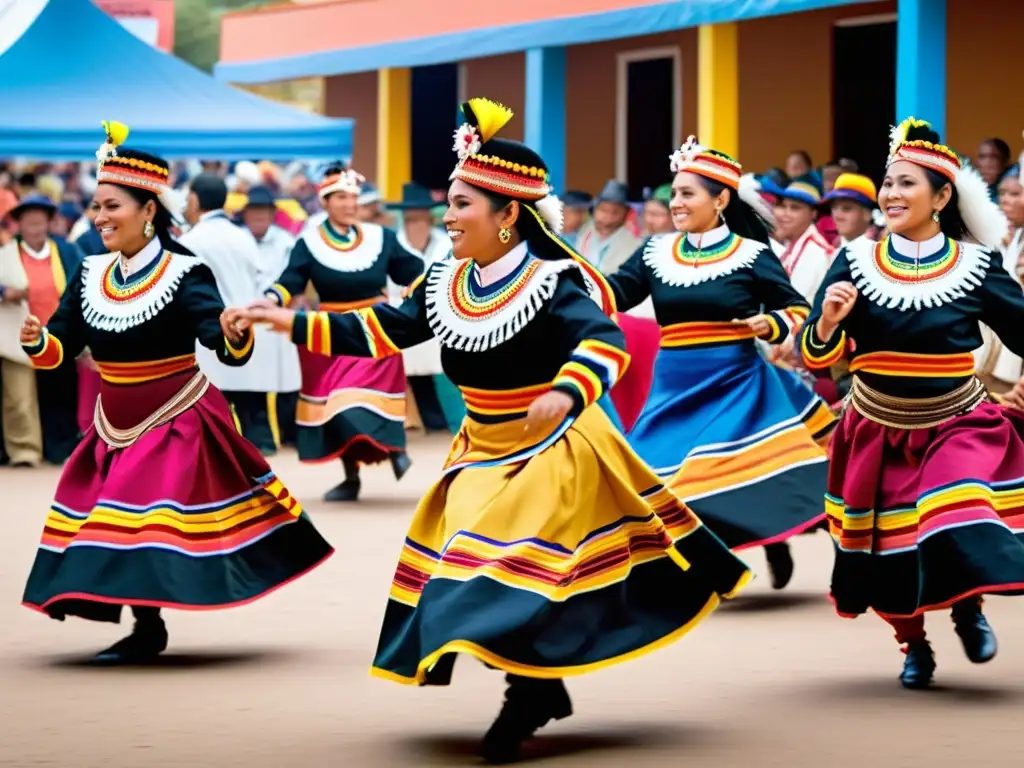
point(269, 420)
point(39, 411)
point(576, 210)
point(605, 241)
point(806, 254)
point(437, 400)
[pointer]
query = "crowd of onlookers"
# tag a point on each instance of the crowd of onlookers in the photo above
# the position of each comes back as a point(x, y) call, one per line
point(44, 215)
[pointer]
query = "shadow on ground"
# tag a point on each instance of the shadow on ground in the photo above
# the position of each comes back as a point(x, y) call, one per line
point(461, 749)
point(176, 661)
point(773, 601)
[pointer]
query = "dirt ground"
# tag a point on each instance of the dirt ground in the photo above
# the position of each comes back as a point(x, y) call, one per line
point(773, 679)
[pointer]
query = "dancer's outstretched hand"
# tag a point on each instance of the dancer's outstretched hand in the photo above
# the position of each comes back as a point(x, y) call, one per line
point(839, 301)
point(31, 330)
point(279, 319)
point(548, 407)
point(234, 322)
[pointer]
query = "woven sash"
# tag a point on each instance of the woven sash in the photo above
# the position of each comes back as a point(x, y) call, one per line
point(915, 413)
point(185, 398)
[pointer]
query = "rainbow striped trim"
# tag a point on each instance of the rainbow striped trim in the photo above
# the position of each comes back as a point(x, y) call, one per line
point(195, 531)
point(48, 354)
point(915, 365)
point(280, 294)
point(593, 368)
point(817, 355)
point(703, 333)
point(502, 402)
point(240, 353)
point(901, 529)
point(145, 370)
point(688, 255)
point(337, 241)
point(377, 340)
point(134, 290)
point(695, 158)
point(503, 177)
point(131, 172)
point(906, 269)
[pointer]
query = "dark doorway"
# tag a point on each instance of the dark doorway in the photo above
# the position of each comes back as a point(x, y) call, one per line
point(650, 105)
point(435, 99)
point(864, 94)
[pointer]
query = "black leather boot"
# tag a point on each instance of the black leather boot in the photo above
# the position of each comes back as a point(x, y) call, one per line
point(918, 666)
point(147, 641)
point(975, 634)
point(400, 463)
point(349, 489)
point(780, 564)
point(530, 704)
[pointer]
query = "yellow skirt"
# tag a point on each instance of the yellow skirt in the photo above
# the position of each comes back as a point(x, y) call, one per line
point(547, 554)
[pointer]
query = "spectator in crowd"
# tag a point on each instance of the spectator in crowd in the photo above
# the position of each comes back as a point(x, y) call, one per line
point(992, 161)
point(798, 163)
point(1011, 202)
point(806, 255)
point(606, 241)
point(829, 173)
point(40, 419)
point(851, 203)
point(575, 212)
point(657, 217)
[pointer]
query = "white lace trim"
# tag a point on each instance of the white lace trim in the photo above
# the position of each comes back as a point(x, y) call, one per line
point(361, 257)
point(454, 330)
point(885, 292)
point(659, 255)
point(105, 315)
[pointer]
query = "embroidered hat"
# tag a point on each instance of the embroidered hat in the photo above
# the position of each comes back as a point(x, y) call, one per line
point(339, 179)
point(804, 189)
point(853, 186)
point(126, 167)
point(915, 141)
point(500, 165)
point(712, 164)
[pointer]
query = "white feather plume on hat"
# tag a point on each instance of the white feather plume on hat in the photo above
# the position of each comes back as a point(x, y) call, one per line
point(983, 218)
point(750, 193)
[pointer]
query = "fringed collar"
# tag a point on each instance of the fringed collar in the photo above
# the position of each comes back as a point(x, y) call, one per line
point(113, 303)
point(468, 317)
point(354, 252)
point(901, 274)
point(676, 261)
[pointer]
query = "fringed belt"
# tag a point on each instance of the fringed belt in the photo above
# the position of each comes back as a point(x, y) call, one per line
point(915, 413)
point(186, 397)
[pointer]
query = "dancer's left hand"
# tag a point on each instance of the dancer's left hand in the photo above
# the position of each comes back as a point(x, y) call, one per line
point(759, 324)
point(1015, 397)
point(548, 407)
point(234, 323)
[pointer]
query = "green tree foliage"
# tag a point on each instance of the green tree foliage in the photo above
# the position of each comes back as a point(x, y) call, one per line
point(197, 28)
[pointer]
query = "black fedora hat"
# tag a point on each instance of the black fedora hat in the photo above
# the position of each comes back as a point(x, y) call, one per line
point(415, 197)
point(260, 196)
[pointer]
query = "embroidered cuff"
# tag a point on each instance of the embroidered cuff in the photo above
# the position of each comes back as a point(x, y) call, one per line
point(407, 291)
point(377, 341)
point(818, 354)
point(312, 330)
point(593, 368)
point(785, 322)
point(280, 294)
point(243, 350)
point(47, 353)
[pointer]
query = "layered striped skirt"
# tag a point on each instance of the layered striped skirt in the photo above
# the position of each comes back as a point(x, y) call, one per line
point(546, 557)
point(739, 440)
point(923, 518)
point(186, 515)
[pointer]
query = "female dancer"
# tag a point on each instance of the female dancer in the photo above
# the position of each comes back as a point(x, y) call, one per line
point(736, 438)
point(925, 486)
point(348, 408)
point(163, 504)
point(547, 548)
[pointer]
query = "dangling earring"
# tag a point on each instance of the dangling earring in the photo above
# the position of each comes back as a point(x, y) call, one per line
point(935, 217)
point(148, 231)
point(504, 234)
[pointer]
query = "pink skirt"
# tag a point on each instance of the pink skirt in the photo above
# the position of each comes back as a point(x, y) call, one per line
point(350, 407)
point(924, 518)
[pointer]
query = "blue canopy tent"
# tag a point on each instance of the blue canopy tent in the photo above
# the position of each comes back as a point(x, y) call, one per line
point(73, 66)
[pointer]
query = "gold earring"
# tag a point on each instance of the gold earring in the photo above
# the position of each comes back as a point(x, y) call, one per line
point(504, 235)
point(935, 217)
point(148, 230)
